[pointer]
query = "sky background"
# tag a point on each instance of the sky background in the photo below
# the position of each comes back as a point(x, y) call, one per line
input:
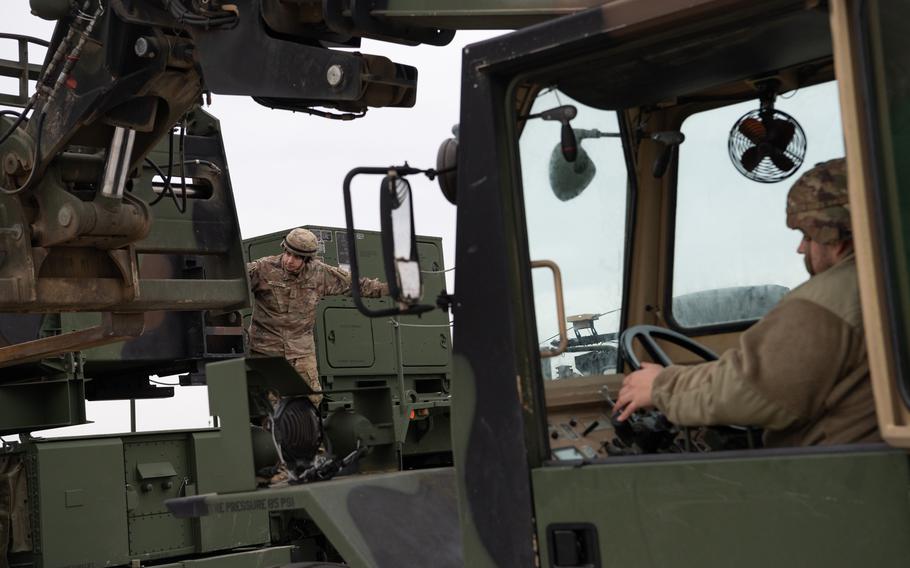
point(287, 170)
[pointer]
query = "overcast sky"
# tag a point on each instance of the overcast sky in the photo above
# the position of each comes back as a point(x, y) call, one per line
point(287, 169)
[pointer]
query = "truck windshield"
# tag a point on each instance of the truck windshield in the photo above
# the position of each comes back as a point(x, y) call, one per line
point(575, 213)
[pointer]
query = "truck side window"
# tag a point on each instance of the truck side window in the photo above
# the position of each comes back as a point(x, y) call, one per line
point(734, 256)
point(583, 232)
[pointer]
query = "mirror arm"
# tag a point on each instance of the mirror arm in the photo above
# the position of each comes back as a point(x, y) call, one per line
point(352, 245)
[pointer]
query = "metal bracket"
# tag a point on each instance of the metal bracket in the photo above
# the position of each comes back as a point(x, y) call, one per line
point(114, 327)
point(354, 18)
point(560, 308)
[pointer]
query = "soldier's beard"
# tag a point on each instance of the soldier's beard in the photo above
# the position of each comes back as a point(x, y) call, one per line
point(808, 262)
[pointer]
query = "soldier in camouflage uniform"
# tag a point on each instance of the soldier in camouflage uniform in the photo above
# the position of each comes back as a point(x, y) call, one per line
point(801, 372)
point(287, 288)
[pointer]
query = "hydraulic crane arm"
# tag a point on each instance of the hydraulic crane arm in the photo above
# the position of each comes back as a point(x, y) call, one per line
point(119, 74)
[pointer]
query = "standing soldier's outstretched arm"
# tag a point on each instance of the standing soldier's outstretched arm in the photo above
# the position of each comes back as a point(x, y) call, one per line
point(338, 282)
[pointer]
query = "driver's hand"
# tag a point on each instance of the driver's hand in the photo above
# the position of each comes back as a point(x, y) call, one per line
point(635, 393)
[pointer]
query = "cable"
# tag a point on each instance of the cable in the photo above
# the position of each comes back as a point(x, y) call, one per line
point(276, 104)
point(19, 120)
point(167, 178)
point(437, 271)
point(168, 189)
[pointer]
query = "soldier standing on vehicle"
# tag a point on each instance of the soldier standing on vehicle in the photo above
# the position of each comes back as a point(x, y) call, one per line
point(801, 372)
point(287, 288)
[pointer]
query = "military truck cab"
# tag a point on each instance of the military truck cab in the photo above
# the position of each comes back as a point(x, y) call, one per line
point(659, 213)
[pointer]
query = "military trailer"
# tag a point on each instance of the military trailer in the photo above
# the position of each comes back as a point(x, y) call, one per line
point(99, 500)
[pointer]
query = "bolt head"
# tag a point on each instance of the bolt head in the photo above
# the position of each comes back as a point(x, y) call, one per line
point(12, 164)
point(334, 75)
point(143, 48)
point(65, 216)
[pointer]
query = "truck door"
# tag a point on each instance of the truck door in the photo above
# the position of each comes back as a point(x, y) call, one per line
point(874, 71)
point(624, 71)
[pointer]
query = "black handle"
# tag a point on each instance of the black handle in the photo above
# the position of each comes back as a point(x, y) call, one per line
point(568, 142)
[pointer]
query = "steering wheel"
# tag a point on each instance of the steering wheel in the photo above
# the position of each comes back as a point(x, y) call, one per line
point(648, 334)
point(649, 431)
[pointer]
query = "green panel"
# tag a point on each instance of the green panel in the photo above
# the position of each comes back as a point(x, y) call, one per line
point(266, 558)
point(156, 469)
point(886, 40)
point(215, 473)
point(815, 509)
point(423, 347)
point(224, 458)
point(161, 535)
point(82, 503)
point(26, 407)
point(348, 338)
point(356, 514)
point(428, 346)
point(145, 459)
point(223, 461)
point(233, 530)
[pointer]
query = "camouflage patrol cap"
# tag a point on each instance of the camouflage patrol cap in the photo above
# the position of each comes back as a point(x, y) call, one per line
point(817, 203)
point(300, 242)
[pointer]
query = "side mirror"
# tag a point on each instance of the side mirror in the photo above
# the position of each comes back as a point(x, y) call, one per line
point(399, 243)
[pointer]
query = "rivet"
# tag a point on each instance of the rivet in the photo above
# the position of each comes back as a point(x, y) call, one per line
point(334, 75)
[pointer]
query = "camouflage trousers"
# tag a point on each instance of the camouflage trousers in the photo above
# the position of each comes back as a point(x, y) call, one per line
point(306, 366)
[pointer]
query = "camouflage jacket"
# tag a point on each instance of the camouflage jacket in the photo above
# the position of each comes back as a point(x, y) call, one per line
point(284, 313)
point(801, 373)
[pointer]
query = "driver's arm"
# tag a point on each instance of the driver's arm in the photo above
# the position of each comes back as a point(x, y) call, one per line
point(775, 378)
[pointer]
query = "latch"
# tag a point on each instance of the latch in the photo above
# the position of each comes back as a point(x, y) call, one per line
point(573, 545)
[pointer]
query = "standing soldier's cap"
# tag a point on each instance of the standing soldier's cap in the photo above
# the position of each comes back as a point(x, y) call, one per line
point(817, 203)
point(300, 242)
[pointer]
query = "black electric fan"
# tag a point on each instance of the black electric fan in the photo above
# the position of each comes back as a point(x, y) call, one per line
point(767, 145)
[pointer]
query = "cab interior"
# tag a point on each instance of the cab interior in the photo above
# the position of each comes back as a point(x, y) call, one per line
point(668, 230)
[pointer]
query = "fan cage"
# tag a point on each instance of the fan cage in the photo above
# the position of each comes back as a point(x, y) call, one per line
point(766, 171)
